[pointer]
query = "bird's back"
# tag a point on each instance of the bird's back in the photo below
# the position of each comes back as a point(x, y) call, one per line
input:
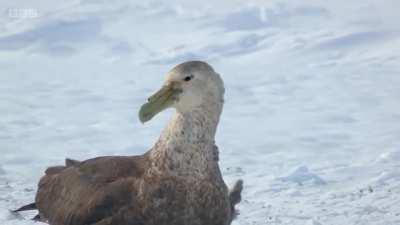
point(89, 191)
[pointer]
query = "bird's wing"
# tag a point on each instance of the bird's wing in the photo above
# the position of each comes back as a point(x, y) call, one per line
point(89, 191)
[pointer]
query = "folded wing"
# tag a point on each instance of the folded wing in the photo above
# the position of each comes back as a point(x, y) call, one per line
point(89, 192)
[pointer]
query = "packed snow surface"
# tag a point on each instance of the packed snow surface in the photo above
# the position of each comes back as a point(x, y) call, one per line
point(312, 115)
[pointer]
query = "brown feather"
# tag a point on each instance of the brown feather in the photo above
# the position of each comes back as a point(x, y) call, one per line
point(71, 162)
point(90, 192)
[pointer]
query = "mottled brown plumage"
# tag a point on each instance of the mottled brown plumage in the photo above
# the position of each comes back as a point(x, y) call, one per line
point(178, 182)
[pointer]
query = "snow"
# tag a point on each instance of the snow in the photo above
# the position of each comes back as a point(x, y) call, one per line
point(2, 172)
point(312, 113)
point(302, 175)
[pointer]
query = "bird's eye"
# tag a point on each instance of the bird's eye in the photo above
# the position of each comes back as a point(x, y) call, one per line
point(188, 78)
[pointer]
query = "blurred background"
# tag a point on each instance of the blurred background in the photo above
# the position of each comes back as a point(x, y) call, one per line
point(312, 114)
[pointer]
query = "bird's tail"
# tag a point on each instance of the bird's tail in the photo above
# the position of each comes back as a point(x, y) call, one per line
point(235, 194)
point(28, 207)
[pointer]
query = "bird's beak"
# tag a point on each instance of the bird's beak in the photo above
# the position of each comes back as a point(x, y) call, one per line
point(160, 101)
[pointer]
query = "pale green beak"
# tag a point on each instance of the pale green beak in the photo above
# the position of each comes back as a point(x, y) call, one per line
point(158, 102)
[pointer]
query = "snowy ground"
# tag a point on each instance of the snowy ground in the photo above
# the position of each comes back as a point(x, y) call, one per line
point(312, 115)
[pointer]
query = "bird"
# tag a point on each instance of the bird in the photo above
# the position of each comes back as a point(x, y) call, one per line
point(177, 182)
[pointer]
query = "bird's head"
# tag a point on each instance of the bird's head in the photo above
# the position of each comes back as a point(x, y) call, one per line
point(188, 86)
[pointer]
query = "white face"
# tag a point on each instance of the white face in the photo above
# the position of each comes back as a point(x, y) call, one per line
point(199, 84)
point(187, 86)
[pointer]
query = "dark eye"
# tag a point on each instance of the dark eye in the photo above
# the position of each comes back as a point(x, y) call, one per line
point(188, 78)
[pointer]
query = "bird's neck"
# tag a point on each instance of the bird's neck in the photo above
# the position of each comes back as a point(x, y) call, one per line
point(186, 147)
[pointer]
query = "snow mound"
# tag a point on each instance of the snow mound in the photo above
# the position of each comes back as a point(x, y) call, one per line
point(393, 156)
point(387, 176)
point(303, 175)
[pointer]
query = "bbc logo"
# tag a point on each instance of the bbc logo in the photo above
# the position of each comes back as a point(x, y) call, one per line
point(23, 13)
